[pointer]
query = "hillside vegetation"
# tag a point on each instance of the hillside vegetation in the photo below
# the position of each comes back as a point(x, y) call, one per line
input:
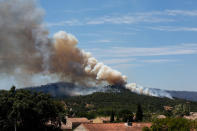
point(66, 89)
point(111, 99)
point(103, 103)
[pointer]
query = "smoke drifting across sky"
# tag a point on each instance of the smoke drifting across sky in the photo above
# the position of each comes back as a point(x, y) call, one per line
point(28, 57)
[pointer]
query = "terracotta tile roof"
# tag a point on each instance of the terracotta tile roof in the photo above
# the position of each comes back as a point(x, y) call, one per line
point(70, 122)
point(105, 118)
point(115, 126)
point(81, 120)
point(161, 116)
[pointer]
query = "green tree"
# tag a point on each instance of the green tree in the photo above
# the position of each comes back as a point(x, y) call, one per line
point(23, 110)
point(181, 110)
point(126, 115)
point(171, 124)
point(168, 113)
point(146, 129)
point(130, 117)
point(139, 113)
point(112, 116)
point(186, 109)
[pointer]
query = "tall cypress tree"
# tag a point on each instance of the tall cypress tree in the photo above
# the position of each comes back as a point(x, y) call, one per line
point(139, 113)
point(112, 116)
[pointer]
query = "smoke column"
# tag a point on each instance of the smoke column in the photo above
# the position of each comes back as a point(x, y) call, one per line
point(23, 41)
point(69, 61)
point(26, 52)
point(29, 57)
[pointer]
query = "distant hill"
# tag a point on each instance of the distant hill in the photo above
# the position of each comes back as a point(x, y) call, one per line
point(60, 89)
point(65, 89)
point(187, 95)
point(92, 100)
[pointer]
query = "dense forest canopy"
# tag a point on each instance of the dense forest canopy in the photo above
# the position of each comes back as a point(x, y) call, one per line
point(24, 110)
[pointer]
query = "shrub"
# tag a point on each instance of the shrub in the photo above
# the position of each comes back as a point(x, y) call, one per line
point(171, 124)
point(146, 129)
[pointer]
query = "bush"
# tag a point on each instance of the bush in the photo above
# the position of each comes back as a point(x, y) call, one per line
point(171, 124)
point(146, 129)
point(126, 115)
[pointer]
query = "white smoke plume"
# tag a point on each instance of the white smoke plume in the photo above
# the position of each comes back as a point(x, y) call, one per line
point(147, 91)
point(28, 57)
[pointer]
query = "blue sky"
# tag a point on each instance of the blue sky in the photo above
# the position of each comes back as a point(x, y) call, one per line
point(153, 42)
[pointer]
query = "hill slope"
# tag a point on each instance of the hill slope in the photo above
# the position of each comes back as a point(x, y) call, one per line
point(103, 101)
point(64, 89)
point(187, 95)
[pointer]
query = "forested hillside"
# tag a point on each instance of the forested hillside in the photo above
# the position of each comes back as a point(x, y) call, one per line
point(103, 103)
point(110, 98)
point(65, 89)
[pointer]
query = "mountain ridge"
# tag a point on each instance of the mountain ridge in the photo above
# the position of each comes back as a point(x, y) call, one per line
point(66, 89)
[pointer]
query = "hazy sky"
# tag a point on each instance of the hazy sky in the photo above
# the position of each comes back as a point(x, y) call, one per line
point(153, 42)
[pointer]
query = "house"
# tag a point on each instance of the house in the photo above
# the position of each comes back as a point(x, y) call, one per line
point(111, 127)
point(192, 116)
point(161, 116)
point(101, 120)
point(167, 108)
point(72, 123)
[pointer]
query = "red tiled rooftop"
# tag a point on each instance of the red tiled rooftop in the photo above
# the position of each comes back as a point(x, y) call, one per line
point(78, 120)
point(73, 122)
point(115, 126)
